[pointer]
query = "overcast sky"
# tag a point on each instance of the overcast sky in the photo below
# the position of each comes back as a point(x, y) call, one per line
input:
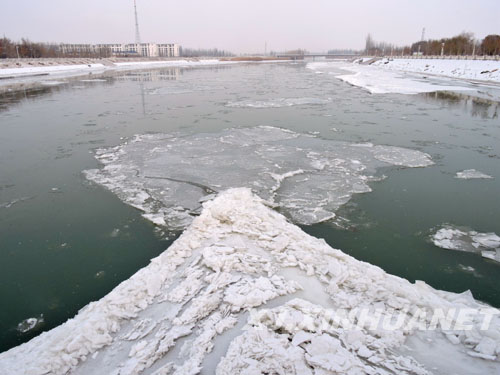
point(246, 25)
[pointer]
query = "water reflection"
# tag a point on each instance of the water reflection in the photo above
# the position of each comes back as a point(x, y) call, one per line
point(163, 74)
point(10, 98)
point(474, 105)
point(16, 95)
point(21, 95)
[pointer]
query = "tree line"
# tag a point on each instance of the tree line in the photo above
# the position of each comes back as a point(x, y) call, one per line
point(459, 45)
point(343, 52)
point(28, 49)
point(200, 52)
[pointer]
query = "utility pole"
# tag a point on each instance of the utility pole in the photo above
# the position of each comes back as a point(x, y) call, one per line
point(17, 50)
point(442, 49)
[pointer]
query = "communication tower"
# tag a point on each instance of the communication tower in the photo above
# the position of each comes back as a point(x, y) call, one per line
point(137, 34)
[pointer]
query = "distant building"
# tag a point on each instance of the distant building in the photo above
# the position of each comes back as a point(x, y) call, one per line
point(170, 50)
point(114, 49)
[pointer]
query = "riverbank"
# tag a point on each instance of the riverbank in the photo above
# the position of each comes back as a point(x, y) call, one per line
point(486, 71)
point(414, 76)
point(64, 61)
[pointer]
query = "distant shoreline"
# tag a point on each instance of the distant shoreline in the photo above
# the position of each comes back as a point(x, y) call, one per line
point(22, 74)
point(12, 63)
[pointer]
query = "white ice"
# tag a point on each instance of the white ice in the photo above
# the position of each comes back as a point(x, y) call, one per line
point(306, 177)
point(277, 103)
point(376, 80)
point(227, 280)
point(379, 79)
point(468, 174)
point(30, 324)
point(477, 70)
point(50, 69)
point(462, 239)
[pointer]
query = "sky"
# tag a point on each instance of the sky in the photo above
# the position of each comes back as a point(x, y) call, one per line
point(248, 25)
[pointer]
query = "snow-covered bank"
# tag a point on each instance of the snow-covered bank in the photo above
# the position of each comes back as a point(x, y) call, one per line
point(477, 70)
point(237, 256)
point(49, 70)
point(378, 80)
point(412, 76)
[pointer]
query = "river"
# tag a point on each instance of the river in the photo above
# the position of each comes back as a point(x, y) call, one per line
point(66, 241)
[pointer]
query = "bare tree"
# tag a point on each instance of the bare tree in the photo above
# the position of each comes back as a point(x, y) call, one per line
point(491, 45)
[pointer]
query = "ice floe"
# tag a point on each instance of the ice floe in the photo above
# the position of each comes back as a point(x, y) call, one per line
point(30, 324)
point(306, 177)
point(277, 103)
point(468, 174)
point(14, 201)
point(453, 238)
point(227, 279)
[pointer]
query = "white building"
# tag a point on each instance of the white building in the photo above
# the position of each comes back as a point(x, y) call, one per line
point(131, 49)
point(170, 50)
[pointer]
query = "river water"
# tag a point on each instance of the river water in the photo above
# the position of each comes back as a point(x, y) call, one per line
point(66, 241)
